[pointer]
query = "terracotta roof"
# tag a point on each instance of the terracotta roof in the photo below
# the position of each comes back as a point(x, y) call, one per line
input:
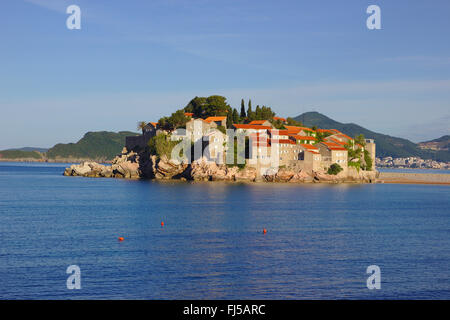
point(326, 130)
point(297, 137)
point(210, 119)
point(337, 141)
point(288, 141)
point(154, 123)
point(293, 128)
point(345, 136)
point(251, 126)
point(280, 132)
point(333, 146)
point(279, 118)
point(257, 121)
point(298, 129)
point(188, 114)
point(308, 146)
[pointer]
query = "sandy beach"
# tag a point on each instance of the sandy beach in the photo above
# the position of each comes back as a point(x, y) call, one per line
point(414, 178)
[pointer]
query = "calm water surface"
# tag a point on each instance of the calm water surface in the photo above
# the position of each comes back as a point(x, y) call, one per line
point(320, 239)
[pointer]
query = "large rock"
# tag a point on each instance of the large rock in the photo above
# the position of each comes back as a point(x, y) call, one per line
point(301, 176)
point(245, 174)
point(167, 169)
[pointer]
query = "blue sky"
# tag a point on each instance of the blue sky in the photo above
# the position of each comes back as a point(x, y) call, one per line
point(140, 60)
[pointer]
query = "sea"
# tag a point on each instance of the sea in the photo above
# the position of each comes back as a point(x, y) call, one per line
point(184, 240)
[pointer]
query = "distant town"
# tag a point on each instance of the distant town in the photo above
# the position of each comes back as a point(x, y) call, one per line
point(410, 162)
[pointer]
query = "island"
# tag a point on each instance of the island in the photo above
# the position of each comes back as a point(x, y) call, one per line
point(208, 140)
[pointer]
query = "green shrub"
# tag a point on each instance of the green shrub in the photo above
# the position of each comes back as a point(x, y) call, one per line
point(161, 145)
point(334, 169)
point(355, 164)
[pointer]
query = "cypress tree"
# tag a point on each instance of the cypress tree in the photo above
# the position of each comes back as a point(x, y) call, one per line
point(243, 115)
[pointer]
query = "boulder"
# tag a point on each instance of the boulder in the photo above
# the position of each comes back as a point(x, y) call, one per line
point(246, 174)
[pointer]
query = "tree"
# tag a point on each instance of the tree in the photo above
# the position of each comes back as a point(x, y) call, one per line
point(368, 161)
point(211, 106)
point(291, 122)
point(229, 120)
point(250, 115)
point(320, 136)
point(258, 113)
point(235, 116)
point(243, 114)
point(360, 140)
point(141, 125)
point(176, 120)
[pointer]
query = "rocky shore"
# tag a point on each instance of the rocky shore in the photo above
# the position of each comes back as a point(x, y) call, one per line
point(131, 165)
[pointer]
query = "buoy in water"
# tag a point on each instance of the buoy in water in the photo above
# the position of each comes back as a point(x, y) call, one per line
point(121, 239)
point(264, 231)
point(162, 223)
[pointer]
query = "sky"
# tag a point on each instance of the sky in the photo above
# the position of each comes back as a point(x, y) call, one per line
point(140, 60)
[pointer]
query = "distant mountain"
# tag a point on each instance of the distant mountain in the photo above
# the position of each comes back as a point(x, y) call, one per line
point(386, 145)
point(98, 146)
point(41, 150)
point(13, 154)
point(440, 144)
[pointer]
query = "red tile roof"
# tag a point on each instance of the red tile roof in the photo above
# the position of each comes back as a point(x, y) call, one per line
point(251, 126)
point(257, 121)
point(288, 141)
point(279, 118)
point(298, 129)
point(297, 137)
point(154, 124)
point(333, 146)
point(188, 114)
point(310, 148)
point(326, 130)
point(337, 141)
point(210, 119)
point(345, 136)
point(280, 132)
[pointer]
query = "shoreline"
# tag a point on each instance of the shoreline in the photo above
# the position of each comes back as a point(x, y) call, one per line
point(414, 178)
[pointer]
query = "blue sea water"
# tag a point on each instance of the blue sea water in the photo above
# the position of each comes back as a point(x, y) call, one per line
point(320, 239)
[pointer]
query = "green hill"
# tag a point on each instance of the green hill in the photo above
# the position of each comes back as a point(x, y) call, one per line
point(386, 145)
point(98, 146)
point(20, 154)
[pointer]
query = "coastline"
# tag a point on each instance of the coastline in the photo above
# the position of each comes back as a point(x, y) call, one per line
point(414, 178)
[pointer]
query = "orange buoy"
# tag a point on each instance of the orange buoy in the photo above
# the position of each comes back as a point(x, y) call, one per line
point(162, 223)
point(121, 239)
point(264, 231)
